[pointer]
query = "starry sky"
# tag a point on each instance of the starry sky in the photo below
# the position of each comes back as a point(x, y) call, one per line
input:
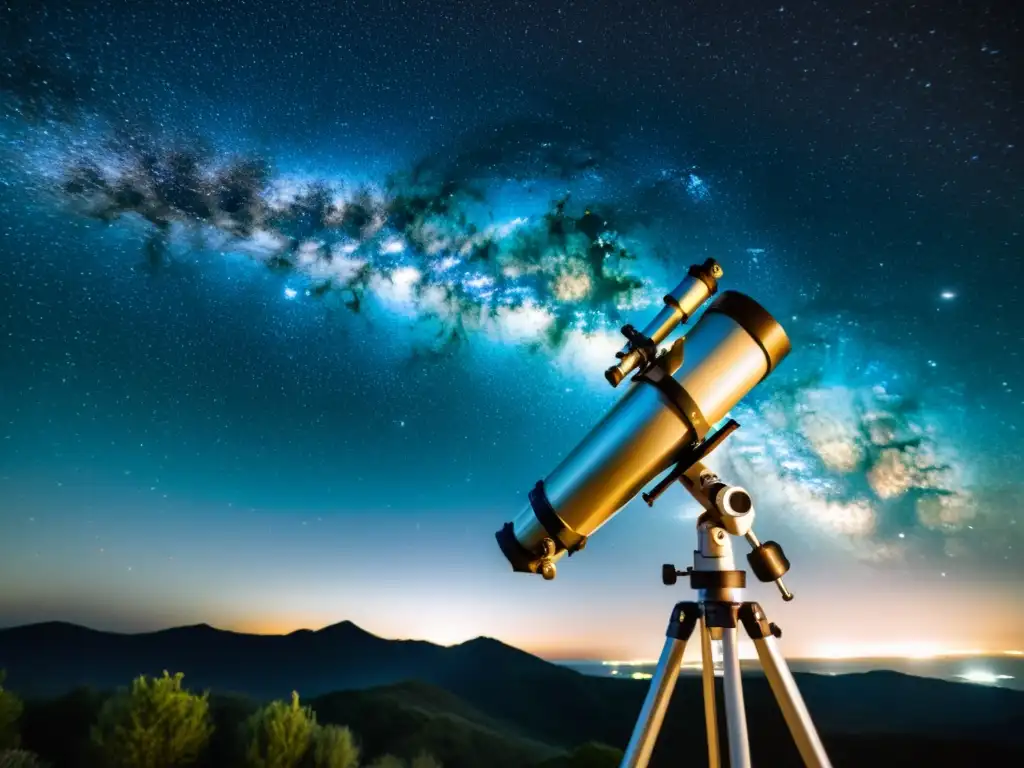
point(298, 301)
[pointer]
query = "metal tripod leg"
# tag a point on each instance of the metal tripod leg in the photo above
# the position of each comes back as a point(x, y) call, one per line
point(645, 732)
point(784, 686)
point(710, 710)
point(791, 703)
point(735, 715)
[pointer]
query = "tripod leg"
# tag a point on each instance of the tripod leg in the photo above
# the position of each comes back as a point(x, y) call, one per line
point(648, 724)
point(784, 686)
point(735, 715)
point(710, 710)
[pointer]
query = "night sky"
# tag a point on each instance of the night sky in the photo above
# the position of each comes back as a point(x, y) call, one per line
point(298, 301)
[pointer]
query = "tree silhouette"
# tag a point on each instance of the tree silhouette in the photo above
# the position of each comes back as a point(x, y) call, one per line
point(279, 735)
point(156, 724)
point(10, 711)
point(334, 747)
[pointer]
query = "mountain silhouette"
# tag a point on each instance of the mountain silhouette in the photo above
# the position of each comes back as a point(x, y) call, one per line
point(52, 658)
point(496, 696)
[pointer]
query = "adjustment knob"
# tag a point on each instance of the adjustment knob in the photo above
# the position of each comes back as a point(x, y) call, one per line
point(669, 574)
point(768, 562)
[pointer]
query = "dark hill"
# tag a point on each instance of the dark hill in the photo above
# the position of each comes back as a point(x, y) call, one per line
point(406, 718)
point(51, 658)
point(483, 690)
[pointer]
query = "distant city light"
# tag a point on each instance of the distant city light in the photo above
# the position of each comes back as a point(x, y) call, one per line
point(983, 677)
point(905, 650)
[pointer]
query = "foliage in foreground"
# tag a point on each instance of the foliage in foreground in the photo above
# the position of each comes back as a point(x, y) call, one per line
point(10, 711)
point(155, 724)
point(279, 735)
point(334, 746)
point(159, 724)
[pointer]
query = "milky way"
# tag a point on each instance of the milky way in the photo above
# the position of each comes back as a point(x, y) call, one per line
point(410, 238)
point(865, 466)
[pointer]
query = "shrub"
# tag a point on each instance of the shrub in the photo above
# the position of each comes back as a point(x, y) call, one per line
point(156, 724)
point(10, 712)
point(279, 735)
point(334, 747)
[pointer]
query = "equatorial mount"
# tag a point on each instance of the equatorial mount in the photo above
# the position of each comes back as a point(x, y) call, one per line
point(727, 509)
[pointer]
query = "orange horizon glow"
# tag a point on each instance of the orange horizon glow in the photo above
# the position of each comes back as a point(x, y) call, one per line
point(921, 650)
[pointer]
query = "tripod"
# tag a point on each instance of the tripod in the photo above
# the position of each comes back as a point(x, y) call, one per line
point(719, 611)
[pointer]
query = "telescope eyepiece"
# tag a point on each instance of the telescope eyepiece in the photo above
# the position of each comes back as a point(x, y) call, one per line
point(614, 376)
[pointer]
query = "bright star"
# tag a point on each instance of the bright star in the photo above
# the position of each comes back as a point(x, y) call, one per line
point(948, 295)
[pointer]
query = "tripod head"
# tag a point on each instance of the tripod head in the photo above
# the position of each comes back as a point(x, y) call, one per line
point(728, 510)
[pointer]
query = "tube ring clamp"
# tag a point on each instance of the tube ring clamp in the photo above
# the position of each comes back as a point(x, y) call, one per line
point(563, 536)
point(679, 397)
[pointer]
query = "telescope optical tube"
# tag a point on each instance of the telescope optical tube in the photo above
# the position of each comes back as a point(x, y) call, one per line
point(735, 344)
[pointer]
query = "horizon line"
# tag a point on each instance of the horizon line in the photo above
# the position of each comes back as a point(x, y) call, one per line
point(905, 652)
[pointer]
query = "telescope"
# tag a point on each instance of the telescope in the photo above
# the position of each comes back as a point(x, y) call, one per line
point(675, 396)
point(664, 422)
